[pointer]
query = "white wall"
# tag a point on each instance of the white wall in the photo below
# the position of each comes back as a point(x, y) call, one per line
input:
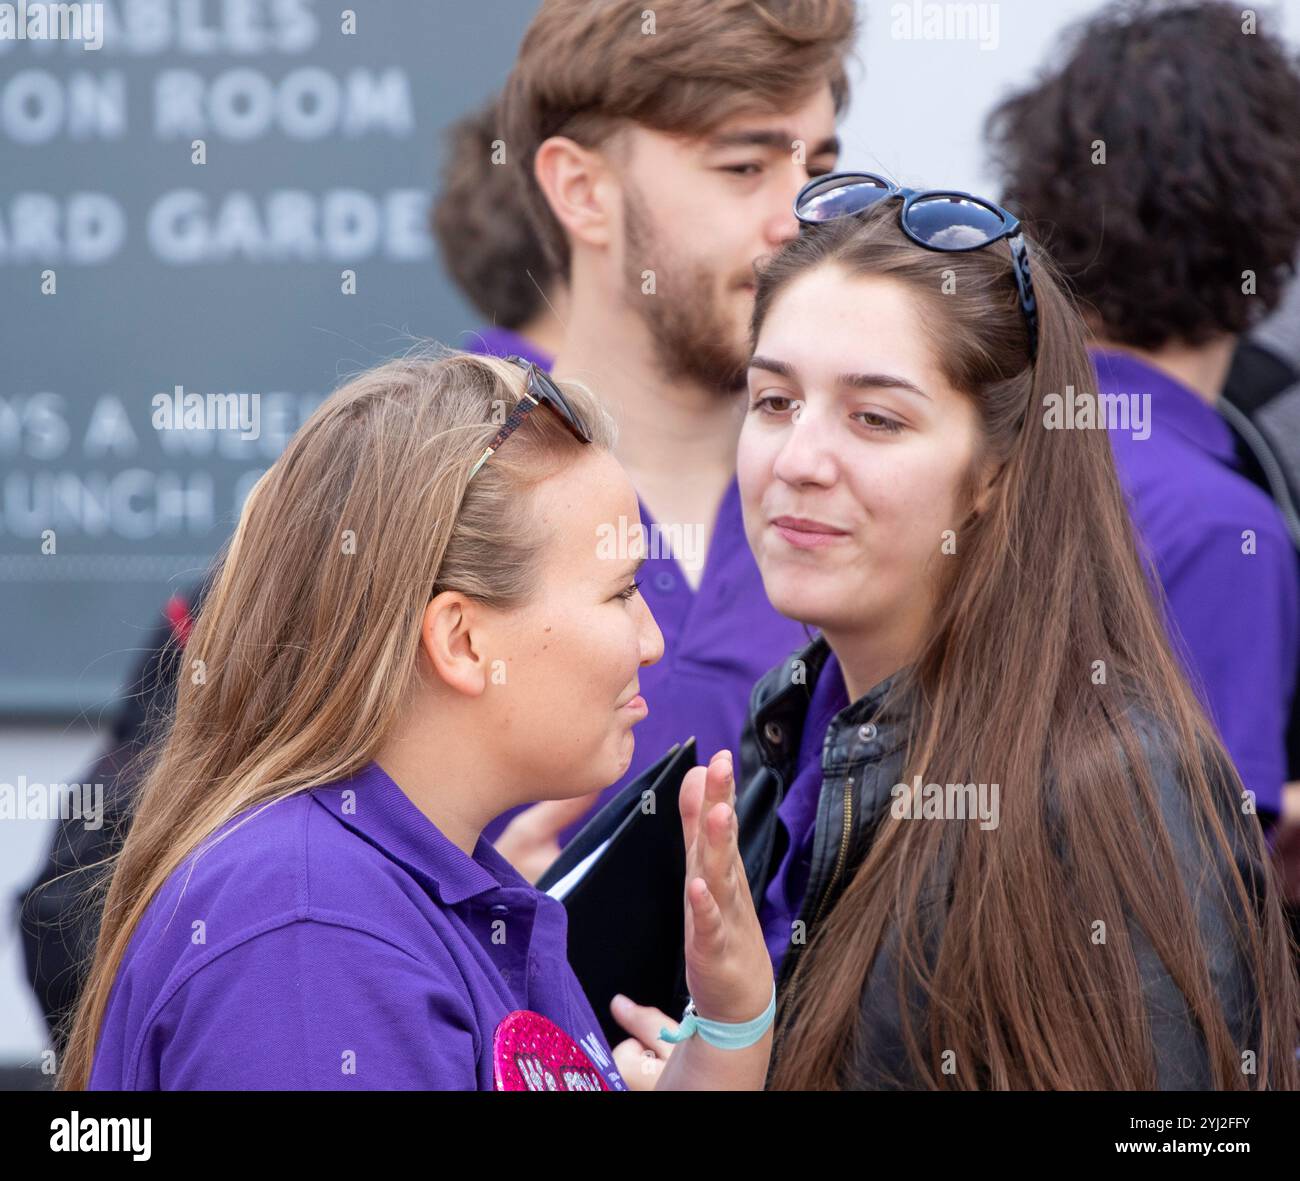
point(919, 108)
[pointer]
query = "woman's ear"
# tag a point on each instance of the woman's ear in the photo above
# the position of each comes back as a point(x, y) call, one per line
point(451, 641)
point(988, 481)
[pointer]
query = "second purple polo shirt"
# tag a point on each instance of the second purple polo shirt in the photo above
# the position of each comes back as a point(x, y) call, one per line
point(1234, 608)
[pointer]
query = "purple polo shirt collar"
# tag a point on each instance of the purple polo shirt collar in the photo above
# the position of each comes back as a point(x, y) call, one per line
point(376, 809)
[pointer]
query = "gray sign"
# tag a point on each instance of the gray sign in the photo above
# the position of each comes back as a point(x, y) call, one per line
point(206, 222)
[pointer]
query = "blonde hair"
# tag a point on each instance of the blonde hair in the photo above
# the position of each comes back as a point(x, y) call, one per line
point(304, 650)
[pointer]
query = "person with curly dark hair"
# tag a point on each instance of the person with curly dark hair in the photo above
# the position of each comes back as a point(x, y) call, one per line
point(489, 246)
point(1160, 162)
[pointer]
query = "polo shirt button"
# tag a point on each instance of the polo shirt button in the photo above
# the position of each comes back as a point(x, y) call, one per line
point(500, 909)
point(665, 581)
point(772, 732)
point(867, 732)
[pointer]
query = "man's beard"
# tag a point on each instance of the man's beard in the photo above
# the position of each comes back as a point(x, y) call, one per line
point(692, 335)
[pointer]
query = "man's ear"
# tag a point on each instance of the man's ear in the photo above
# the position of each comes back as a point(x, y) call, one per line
point(451, 636)
point(579, 187)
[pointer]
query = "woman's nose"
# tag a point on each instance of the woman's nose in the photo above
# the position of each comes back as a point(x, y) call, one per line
point(652, 639)
point(804, 455)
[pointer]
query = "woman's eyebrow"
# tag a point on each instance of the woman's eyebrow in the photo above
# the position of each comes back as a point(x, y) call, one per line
point(780, 368)
point(868, 381)
point(857, 381)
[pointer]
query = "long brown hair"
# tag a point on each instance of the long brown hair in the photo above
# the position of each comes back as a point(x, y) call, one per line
point(1047, 589)
point(302, 655)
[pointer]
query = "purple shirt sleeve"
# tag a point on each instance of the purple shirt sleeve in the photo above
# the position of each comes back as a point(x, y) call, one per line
point(313, 1006)
point(1238, 617)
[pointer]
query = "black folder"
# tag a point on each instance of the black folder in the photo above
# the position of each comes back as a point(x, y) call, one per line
point(625, 894)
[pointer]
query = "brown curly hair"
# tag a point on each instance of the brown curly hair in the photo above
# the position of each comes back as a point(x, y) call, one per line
point(481, 226)
point(1200, 120)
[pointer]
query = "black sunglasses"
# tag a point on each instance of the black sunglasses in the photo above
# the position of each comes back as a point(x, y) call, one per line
point(539, 390)
point(938, 219)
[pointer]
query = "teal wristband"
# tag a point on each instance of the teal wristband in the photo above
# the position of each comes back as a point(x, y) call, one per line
point(726, 1035)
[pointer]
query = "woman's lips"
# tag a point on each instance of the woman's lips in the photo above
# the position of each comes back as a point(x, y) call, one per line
point(636, 706)
point(805, 534)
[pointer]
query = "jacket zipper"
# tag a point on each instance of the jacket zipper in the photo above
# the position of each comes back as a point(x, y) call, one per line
point(840, 860)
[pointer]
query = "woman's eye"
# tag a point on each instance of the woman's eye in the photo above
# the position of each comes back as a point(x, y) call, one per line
point(767, 404)
point(631, 590)
point(878, 422)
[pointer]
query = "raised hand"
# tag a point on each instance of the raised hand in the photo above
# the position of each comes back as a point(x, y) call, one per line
point(728, 970)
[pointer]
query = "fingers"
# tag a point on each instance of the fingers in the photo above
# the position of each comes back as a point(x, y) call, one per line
point(708, 931)
point(643, 1022)
point(639, 1067)
point(531, 841)
point(717, 850)
point(702, 787)
point(547, 819)
point(690, 800)
point(719, 787)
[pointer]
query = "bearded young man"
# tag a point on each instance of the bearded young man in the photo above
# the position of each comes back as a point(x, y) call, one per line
point(659, 152)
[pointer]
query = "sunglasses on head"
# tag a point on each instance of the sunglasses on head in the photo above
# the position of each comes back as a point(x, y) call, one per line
point(539, 390)
point(938, 219)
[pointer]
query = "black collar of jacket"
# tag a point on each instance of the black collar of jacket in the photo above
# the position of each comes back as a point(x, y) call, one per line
point(862, 742)
point(867, 728)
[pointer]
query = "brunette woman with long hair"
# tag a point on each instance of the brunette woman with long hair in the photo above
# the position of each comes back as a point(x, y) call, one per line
point(986, 622)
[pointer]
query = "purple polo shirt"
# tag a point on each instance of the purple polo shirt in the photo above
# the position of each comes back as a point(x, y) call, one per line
point(502, 342)
point(1234, 617)
point(336, 940)
point(719, 639)
point(797, 814)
